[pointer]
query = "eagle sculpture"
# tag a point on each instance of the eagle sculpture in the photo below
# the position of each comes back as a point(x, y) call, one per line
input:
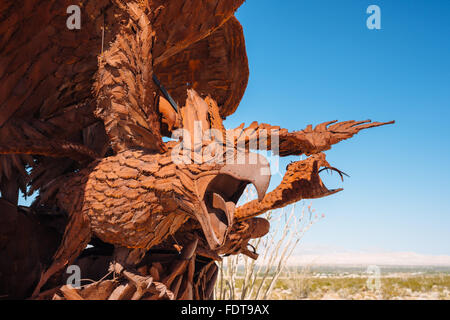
point(85, 117)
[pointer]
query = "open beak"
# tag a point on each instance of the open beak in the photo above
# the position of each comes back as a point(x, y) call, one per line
point(223, 192)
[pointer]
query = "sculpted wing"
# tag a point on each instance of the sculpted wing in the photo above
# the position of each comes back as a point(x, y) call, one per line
point(47, 73)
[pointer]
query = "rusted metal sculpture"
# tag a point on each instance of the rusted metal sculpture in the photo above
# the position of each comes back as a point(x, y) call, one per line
point(89, 122)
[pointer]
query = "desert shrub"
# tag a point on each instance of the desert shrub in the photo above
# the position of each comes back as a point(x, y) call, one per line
point(241, 277)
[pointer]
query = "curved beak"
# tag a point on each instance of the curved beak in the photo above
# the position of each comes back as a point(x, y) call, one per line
point(222, 193)
point(254, 170)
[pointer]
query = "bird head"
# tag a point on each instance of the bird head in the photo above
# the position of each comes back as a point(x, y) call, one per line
point(212, 171)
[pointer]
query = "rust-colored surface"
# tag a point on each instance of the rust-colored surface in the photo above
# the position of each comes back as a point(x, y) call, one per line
point(89, 123)
point(215, 66)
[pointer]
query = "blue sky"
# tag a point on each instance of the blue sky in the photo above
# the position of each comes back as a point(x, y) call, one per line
point(314, 61)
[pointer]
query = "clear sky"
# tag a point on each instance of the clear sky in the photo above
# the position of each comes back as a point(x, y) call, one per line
point(314, 60)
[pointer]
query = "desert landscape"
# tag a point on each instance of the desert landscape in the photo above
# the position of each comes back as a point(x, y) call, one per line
point(199, 150)
point(353, 283)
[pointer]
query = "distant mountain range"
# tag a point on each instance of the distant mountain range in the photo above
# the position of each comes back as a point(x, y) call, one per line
point(323, 255)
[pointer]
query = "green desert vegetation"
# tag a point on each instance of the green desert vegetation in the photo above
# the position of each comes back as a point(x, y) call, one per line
point(270, 277)
point(392, 286)
point(296, 283)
